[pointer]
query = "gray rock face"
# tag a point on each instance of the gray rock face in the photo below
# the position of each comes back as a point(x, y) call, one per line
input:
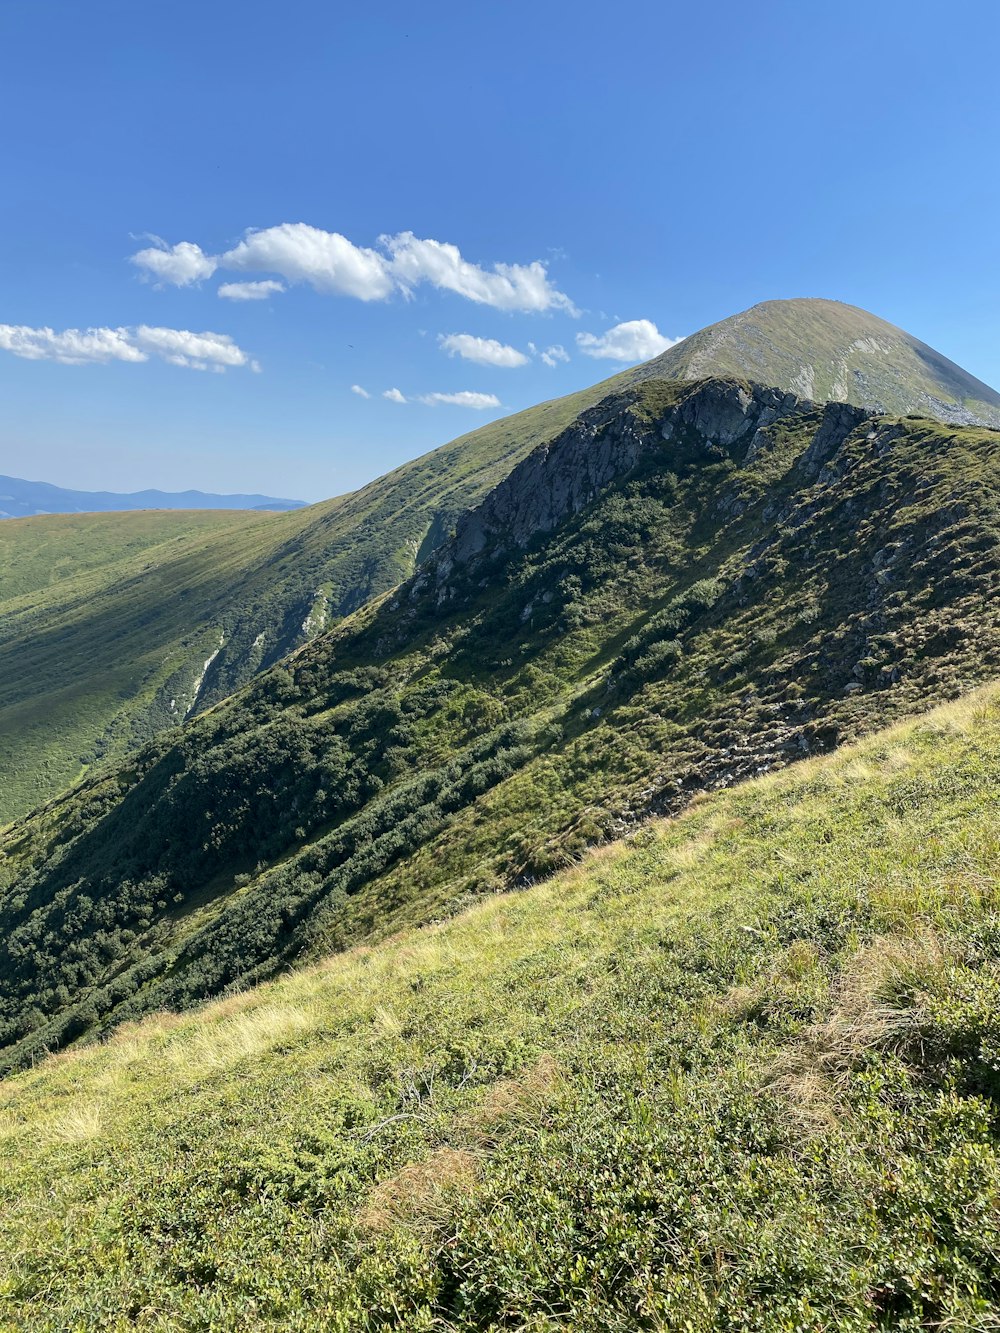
point(559, 478)
point(839, 419)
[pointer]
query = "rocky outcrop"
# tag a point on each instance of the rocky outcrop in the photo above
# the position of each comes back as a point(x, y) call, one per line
point(561, 477)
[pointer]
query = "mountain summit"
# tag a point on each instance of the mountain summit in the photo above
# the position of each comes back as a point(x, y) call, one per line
point(826, 350)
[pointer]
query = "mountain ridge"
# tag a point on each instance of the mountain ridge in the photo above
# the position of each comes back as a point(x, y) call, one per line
point(829, 350)
point(93, 664)
point(25, 499)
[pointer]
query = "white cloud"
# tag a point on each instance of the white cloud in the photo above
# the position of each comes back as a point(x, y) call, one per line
point(507, 287)
point(179, 265)
point(197, 351)
point(325, 259)
point(484, 351)
point(635, 340)
point(250, 291)
point(331, 263)
point(362, 393)
point(72, 347)
point(478, 401)
point(554, 354)
point(77, 347)
point(394, 396)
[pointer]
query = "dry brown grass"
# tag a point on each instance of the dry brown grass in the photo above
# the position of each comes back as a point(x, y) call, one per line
point(421, 1195)
point(514, 1103)
point(877, 1007)
point(76, 1125)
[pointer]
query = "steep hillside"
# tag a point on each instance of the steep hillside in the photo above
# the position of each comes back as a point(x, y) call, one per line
point(22, 499)
point(738, 1074)
point(827, 350)
point(688, 585)
point(115, 627)
point(90, 669)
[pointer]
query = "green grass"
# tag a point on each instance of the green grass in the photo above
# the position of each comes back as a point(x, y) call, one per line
point(711, 612)
point(737, 1073)
point(93, 622)
point(106, 620)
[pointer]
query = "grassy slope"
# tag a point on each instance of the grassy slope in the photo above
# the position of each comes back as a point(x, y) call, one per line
point(93, 620)
point(708, 614)
point(106, 619)
point(739, 1073)
point(828, 350)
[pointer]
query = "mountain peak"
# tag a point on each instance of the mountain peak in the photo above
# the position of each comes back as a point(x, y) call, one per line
point(823, 349)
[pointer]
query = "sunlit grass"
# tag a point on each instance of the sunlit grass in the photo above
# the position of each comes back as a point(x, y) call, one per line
point(475, 1117)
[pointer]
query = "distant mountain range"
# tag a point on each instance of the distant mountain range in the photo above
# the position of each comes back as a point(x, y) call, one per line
point(22, 499)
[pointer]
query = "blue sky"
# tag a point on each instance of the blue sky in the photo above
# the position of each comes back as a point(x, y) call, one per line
point(537, 173)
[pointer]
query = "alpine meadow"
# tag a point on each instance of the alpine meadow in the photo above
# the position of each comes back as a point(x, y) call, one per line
point(548, 876)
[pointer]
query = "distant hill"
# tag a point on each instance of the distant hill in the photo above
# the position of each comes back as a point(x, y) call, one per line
point(829, 351)
point(115, 626)
point(22, 499)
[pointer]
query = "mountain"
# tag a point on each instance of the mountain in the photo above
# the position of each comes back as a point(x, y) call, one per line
point(20, 499)
point(98, 654)
point(738, 1072)
point(826, 350)
point(688, 585)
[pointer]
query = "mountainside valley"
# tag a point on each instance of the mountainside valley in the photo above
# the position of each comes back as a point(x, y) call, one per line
point(165, 614)
point(115, 627)
point(547, 880)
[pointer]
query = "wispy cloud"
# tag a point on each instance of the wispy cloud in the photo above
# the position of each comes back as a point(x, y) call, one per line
point(394, 396)
point(478, 401)
point(554, 354)
point(196, 351)
point(331, 263)
point(362, 393)
point(524, 287)
point(483, 351)
point(250, 291)
point(634, 340)
point(72, 347)
point(78, 347)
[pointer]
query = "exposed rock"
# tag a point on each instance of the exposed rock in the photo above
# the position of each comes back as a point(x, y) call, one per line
point(561, 477)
